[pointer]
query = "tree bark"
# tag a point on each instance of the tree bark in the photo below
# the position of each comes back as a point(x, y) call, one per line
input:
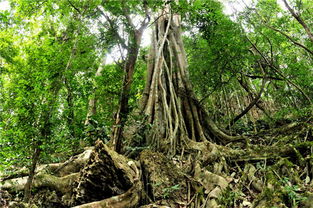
point(123, 110)
point(135, 37)
point(300, 20)
point(92, 104)
point(252, 95)
point(279, 72)
point(29, 182)
point(249, 107)
point(170, 107)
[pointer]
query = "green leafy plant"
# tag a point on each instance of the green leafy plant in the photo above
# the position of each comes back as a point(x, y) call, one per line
point(291, 191)
point(167, 192)
point(228, 197)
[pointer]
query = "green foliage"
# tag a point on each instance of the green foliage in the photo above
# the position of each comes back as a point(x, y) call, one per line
point(94, 131)
point(49, 54)
point(169, 190)
point(41, 67)
point(221, 51)
point(291, 191)
point(228, 197)
point(50, 51)
point(293, 61)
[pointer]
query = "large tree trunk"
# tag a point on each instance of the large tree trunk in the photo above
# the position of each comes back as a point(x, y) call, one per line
point(168, 103)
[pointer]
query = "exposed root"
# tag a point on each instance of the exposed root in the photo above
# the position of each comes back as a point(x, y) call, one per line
point(128, 199)
point(107, 180)
point(61, 184)
point(106, 174)
point(277, 172)
point(72, 165)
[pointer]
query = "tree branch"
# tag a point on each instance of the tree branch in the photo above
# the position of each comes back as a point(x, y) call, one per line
point(300, 20)
point(290, 38)
point(246, 87)
point(72, 5)
point(261, 77)
point(252, 103)
point(126, 14)
point(277, 70)
point(119, 38)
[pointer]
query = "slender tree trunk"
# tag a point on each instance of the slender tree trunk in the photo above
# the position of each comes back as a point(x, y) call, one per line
point(135, 36)
point(70, 105)
point(252, 95)
point(249, 107)
point(92, 104)
point(45, 132)
point(123, 109)
point(28, 185)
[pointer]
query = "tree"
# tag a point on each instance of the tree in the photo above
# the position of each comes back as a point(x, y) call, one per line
point(168, 102)
point(134, 40)
point(39, 83)
point(49, 70)
point(283, 47)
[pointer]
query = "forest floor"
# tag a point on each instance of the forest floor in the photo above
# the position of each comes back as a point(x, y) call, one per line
point(271, 168)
